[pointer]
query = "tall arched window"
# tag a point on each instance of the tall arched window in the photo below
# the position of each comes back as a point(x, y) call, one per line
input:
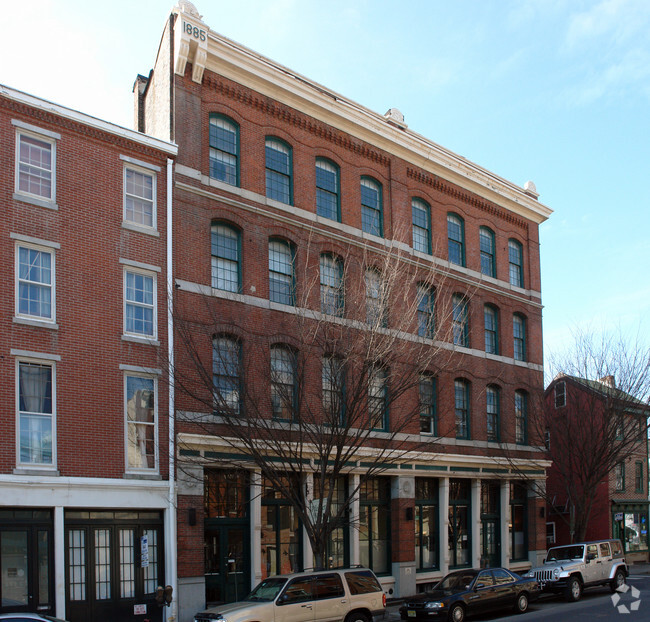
point(521, 417)
point(378, 397)
point(226, 266)
point(426, 317)
point(226, 375)
point(488, 256)
point(456, 239)
point(278, 170)
point(281, 272)
point(331, 285)
point(224, 149)
point(493, 399)
point(283, 383)
point(461, 408)
point(519, 337)
point(516, 260)
point(375, 298)
point(491, 318)
point(328, 190)
point(371, 207)
point(421, 214)
point(460, 320)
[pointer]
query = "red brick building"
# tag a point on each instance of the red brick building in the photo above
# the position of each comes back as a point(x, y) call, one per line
point(276, 173)
point(87, 530)
point(575, 409)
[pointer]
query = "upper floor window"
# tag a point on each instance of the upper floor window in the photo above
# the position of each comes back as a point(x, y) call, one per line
point(421, 214)
point(333, 386)
point(278, 170)
point(560, 394)
point(224, 149)
point(427, 389)
point(491, 316)
point(456, 239)
point(284, 390)
point(493, 412)
point(281, 273)
point(486, 243)
point(371, 207)
point(519, 337)
point(141, 423)
point(226, 375)
point(328, 192)
point(139, 197)
point(619, 476)
point(460, 320)
point(36, 165)
point(378, 397)
point(638, 477)
point(139, 304)
point(461, 407)
point(226, 266)
point(331, 285)
point(375, 298)
point(426, 321)
point(516, 259)
point(35, 282)
point(521, 417)
point(36, 413)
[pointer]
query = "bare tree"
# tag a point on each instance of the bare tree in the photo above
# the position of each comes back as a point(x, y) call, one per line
point(338, 386)
point(594, 416)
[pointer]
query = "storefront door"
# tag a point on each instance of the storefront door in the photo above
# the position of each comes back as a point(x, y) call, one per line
point(490, 543)
point(227, 568)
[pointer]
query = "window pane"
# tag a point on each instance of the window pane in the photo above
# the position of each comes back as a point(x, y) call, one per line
point(225, 258)
point(77, 564)
point(375, 298)
point(425, 311)
point(35, 166)
point(455, 240)
point(225, 375)
point(283, 378)
point(102, 564)
point(519, 338)
point(223, 150)
point(427, 405)
point(36, 413)
point(492, 396)
point(138, 197)
point(35, 272)
point(486, 240)
point(371, 207)
point(460, 321)
point(280, 272)
point(515, 255)
point(139, 304)
point(141, 422)
point(461, 408)
point(331, 285)
point(421, 231)
point(491, 344)
point(327, 189)
point(278, 171)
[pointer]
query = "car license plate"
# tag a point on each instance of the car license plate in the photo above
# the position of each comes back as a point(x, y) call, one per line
point(410, 613)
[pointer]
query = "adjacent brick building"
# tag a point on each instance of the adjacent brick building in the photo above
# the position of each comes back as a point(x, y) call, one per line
point(275, 173)
point(84, 474)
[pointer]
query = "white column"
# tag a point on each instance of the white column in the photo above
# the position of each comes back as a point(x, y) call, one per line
point(505, 523)
point(475, 523)
point(256, 527)
point(354, 521)
point(443, 496)
point(59, 562)
point(307, 552)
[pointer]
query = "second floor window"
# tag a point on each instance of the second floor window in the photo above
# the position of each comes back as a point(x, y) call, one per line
point(491, 330)
point(278, 170)
point(283, 383)
point(281, 274)
point(224, 150)
point(493, 411)
point(460, 320)
point(378, 397)
point(225, 258)
point(140, 304)
point(142, 427)
point(36, 413)
point(519, 337)
point(35, 283)
point(139, 197)
point(327, 190)
point(426, 327)
point(638, 477)
point(486, 243)
point(375, 299)
point(333, 379)
point(456, 239)
point(226, 375)
point(427, 388)
point(371, 207)
point(461, 407)
point(521, 418)
point(421, 215)
point(516, 260)
point(619, 476)
point(331, 285)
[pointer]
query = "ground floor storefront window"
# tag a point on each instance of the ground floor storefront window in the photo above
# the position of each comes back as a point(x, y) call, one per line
point(337, 554)
point(518, 522)
point(374, 524)
point(426, 524)
point(630, 525)
point(490, 524)
point(459, 523)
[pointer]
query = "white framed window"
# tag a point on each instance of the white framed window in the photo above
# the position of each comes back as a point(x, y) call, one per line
point(36, 412)
point(139, 196)
point(35, 162)
point(35, 282)
point(141, 422)
point(140, 303)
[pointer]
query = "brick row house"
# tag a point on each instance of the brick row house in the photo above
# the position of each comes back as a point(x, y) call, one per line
point(87, 529)
point(286, 194)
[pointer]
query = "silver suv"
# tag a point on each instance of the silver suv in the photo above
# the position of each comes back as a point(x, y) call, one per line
point(569, 569)
point(350, 594)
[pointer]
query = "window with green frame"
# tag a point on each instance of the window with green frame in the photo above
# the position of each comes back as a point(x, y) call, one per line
point(226, 375)
point(518, 521)
point(638, 477)
point(331, 285)
point(460, 320)
point(516, 261)
point(226, 263)
point(328, 192)
point(338, 547)
point(284, 393)
point(460, 532)
point(521, 417)
point(487, 246)
point(333, 390)
point(493, 400)
point(378, 397)
point(427, 391)
point(491, 319)
point(426, 317)
point(374, 525)
point(461, 408)
point(427, 555)
point(519, 337)
point(224, 149)
point(371, 207)
point(421, 214)
point(278, 170)
point(281, 272)
point(456, 239)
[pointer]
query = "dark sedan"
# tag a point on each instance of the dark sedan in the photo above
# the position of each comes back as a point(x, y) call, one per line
point(466, 592)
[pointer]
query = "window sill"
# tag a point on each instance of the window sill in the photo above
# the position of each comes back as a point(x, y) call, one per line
point(148, 476)
point(143, 340)
point(140, 228)
point(37, 471)
point(46, 203)
point(34, 322)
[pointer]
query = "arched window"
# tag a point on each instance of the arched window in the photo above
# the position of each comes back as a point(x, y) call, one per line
point(460, 320)
point(331, 285)
point(488, 257)
point(226, 263)
point(371, 207)
point(278, 170)
point(521, 417)
point(428, 404)
point(456, 239)
point(426, 317)
point(516, 259)
point(519, 337)
point(493, 399)
point(378, 397)
point(283, 383)
point(375, 298)
point(333, 384)
point(421, 214)
point(491, 318)
point(226, 375)
point(224, 149)
point(281, 272)
point(328, 190)
point(461, 408)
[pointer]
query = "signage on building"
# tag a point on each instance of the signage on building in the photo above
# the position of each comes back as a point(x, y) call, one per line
point(618, 516)
point(139, 610)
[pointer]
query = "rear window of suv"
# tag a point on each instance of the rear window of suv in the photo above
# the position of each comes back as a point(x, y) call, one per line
point(362, 582)
point(617, 549)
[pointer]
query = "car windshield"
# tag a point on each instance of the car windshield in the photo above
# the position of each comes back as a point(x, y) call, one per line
point(565, 552)
point(456, 582)
point(267, 590)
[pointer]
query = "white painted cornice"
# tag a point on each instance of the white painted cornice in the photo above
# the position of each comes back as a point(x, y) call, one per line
point(248, 68)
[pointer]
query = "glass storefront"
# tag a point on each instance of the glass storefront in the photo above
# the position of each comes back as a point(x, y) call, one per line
point(459, 520)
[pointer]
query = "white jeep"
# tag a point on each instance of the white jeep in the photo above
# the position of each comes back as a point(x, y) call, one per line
point(569, 569)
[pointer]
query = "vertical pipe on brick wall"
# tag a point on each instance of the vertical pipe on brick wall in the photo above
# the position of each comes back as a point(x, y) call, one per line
point(171, 565)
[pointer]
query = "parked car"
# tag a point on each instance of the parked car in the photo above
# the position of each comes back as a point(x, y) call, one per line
point(572, 568)
point(27, 617)
point(466, 592)
point(350, 594)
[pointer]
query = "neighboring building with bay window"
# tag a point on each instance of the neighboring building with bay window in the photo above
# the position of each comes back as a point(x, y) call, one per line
point(84, 446)
point(275, 173)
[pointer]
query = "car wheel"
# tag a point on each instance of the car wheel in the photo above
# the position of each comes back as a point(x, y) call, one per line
point(521, 606)
point(356, 616)
point(617, 581)
point(456, 613)
point(573, 590)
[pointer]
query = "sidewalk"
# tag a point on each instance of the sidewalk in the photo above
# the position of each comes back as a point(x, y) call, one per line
point(643, 568)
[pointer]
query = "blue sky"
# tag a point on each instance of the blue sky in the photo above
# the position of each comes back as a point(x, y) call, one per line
point(553, 91)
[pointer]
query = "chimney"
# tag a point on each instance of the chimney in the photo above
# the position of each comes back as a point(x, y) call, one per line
point(608, 381)
point(138, 102)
